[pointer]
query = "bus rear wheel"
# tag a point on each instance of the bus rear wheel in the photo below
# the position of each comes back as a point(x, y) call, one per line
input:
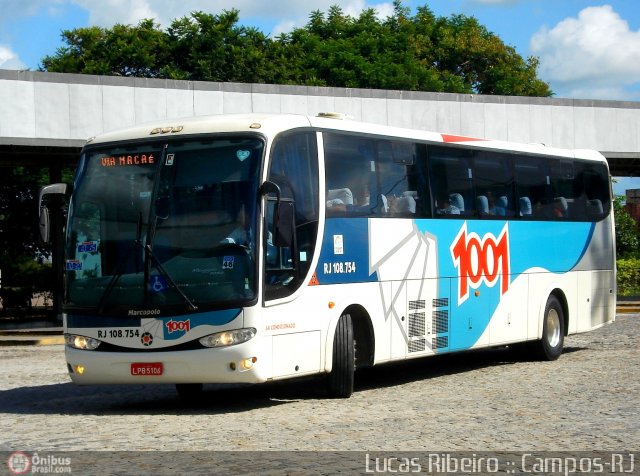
point(340, 380)
point(549, 347)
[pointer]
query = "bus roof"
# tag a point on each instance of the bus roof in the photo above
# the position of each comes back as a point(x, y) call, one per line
point(271, 124)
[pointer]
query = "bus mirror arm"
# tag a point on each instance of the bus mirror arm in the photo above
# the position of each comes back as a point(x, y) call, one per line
point(284, 216)
point(270, 187)
point(44, 224)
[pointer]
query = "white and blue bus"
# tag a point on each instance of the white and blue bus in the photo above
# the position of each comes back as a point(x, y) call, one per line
point(252, 248)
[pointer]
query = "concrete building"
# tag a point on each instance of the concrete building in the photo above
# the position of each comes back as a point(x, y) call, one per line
point(46, 117)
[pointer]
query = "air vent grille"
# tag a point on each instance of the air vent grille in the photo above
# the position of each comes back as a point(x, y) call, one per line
point(417, 324)
point(417, 345)
point(440, 302)
point(440, 342)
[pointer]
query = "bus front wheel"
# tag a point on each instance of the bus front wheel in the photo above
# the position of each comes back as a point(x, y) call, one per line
point(341, 378)
point(549, 347)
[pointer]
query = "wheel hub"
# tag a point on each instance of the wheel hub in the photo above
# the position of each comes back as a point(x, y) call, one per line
point(553, 328)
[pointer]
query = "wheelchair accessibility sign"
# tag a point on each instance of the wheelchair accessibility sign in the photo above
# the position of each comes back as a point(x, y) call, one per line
point(157, 283)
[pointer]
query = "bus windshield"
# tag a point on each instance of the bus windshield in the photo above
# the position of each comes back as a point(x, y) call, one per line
point(164, 225)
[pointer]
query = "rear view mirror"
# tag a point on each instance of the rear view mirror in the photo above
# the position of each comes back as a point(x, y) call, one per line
point(44, 225)
point(44, 221)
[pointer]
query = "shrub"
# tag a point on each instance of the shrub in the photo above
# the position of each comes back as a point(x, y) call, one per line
point(629, 277)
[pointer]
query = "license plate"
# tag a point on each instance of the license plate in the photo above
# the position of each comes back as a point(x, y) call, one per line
point(147, 368)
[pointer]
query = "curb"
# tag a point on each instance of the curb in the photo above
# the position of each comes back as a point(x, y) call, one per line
point(19, 337)
point(627, 307)
point(34, 340)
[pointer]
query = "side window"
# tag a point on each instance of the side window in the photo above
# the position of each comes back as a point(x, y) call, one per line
point(494, 185)
point(451, 175)
point(563, 189)
point(294, 168)
point(373, 177)
point(533, 187)
point(581, 190)
point(402, 185)
point(596, 189)
point(350, 175)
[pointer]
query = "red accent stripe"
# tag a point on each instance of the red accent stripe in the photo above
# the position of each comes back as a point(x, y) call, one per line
point(452, 138)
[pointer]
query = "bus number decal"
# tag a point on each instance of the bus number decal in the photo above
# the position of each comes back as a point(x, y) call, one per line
point(480, 260)
point(340, 267)
point(227, 262)
point(118, 333)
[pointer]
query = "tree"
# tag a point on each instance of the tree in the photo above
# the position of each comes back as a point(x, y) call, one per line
point(18, 228)
point(479, 61)
point(19, 247)
point(213, 48)
point(122, 50)
point(627, 239)
point(23, 259)
point(419, 53)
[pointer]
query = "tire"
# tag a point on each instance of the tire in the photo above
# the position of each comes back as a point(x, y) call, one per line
point(549, 347)
point(340, 380)
point(189, 391)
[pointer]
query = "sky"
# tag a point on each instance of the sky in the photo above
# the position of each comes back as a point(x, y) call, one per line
point(588, 49)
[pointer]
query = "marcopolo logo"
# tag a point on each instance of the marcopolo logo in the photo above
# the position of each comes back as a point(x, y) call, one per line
point(481, 260)
point(144, 312)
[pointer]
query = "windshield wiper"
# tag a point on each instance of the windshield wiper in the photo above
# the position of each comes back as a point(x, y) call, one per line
point(149, 256)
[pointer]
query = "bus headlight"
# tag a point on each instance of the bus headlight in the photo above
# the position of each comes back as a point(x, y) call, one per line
point(81, 342)
point(227, 338)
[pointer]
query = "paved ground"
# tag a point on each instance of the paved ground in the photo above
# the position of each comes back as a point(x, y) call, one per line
point(482, 401)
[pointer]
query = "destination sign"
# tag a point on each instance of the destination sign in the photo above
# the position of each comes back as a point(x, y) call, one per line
point(126, 160)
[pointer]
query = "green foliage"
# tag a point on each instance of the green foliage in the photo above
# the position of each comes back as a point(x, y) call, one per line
point(629, 277)
point(22, 256)
point(627, 250)
point(627, 234)
point(213, 48)
point(18, 227)
point(123, 50)
point(25, 277)
point(421, 53)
